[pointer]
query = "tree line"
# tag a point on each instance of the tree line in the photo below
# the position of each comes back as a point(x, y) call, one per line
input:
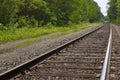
point(36, 13)
point(114, 11)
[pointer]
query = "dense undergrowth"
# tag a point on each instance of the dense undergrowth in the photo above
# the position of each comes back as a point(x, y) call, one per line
point(21, 19)
point(27, 32)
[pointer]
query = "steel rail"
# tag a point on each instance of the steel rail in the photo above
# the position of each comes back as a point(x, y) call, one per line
point(105, 69)
point(27, 65)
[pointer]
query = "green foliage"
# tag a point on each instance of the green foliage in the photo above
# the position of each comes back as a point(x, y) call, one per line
point(21, 19)
point(74, 11)
point(36, 13)
point(28, 32)
point(22, 22)
point(93, 12)
point(114, 11)
point(8, 10)
point(2, 27)
point(118, 13)
point(36, 9)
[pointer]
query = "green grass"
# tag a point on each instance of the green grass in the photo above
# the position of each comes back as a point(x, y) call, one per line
point(39, 39)
point(27, 42)
point(26, 32)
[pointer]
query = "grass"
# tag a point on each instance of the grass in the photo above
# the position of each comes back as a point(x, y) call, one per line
point(31, 41)
point(26, 32)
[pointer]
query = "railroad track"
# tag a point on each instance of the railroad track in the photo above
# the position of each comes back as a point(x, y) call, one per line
point(80, 59)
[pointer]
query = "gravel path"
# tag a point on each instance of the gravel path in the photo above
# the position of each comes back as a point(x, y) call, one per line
point(13, 58)
point(7, 46)
point(117, 28)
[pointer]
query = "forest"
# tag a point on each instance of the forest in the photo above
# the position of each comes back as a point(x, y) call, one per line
point(21, 19)
point(37, 13)
point(114, 11)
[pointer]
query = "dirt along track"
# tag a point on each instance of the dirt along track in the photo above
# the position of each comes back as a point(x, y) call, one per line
point(82, 60)
point(115, 55)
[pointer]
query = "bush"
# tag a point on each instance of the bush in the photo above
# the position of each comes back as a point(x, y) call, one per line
point(33, 22)
point(23, 22)
point(2, 27)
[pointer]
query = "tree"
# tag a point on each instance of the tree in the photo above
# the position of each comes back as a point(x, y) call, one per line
point(112, 12)
point(118, 13)
point(36, 9)
point(74, 11)
point(41, 12)
point(8, 10)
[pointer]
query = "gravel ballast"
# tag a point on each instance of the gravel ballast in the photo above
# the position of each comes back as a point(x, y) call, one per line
point(20, 55)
